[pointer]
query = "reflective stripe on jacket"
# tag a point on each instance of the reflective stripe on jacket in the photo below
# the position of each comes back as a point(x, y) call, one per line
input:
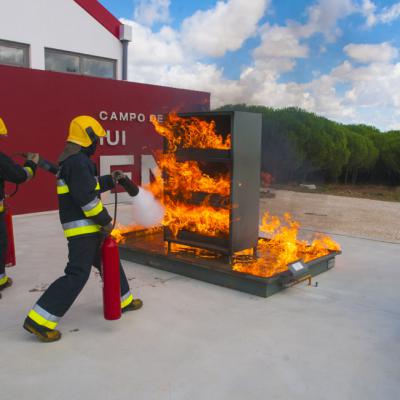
point(29, 173)
point(81, 209)
point(80, 227)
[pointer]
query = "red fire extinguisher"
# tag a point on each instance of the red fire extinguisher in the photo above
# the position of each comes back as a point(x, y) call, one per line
point(110, 262)
point(10, 253)
point(111, 279)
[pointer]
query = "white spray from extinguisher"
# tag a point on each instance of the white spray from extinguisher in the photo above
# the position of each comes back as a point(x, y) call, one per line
point(146, 210)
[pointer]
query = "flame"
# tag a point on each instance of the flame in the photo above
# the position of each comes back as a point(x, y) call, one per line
point(181, 180)
point(186, 177)
point(205, 220)
point(119, 233)
point(282, 247)
point(190, 132)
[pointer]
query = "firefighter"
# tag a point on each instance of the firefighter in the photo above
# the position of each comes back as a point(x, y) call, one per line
point(11, 172)
point(85, 221)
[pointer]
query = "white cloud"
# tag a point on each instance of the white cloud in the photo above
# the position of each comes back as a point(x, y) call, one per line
point(372, 85)
point(385, 16)
point(277, 53)
point(164, 57)
point(289, 41)
point(223, 28)
point(149, 12)
point(278, 41)
point(373, 93)
point(323, 18)
point(149, 48)
point(368, 53)
point(389, 14)
point(368, 9)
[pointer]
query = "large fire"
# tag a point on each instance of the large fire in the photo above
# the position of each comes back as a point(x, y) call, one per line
point(185, 178)
point(181, 179)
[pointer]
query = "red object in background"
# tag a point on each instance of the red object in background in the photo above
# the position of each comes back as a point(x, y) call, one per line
point(266, 180)
point(111, 279)
point(10, 253)
point(37, 107)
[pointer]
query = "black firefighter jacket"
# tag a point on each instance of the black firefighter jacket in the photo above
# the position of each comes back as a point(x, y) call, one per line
point(80, 207)
point(12, 172)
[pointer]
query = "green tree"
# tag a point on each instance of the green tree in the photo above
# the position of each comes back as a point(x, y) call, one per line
point(390, 155)
point(298, 146)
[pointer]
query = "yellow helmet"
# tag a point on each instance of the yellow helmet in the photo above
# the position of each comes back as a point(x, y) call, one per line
point(83, 130)
point(3, 128)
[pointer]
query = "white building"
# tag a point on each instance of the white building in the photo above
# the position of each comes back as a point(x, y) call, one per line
point(74, 36)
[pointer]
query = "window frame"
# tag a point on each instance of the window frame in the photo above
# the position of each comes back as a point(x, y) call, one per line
point(25, 47)
point(81, 57)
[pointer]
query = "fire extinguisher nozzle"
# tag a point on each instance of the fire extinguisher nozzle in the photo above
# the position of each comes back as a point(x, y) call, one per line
point(129, 186)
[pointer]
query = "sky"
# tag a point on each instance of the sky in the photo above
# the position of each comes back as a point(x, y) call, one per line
point(337, 58)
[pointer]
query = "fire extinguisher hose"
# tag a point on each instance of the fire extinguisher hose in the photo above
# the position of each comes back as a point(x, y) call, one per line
point(115, 205)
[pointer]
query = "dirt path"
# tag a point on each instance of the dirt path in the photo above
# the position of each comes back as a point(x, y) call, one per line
point(342, 215)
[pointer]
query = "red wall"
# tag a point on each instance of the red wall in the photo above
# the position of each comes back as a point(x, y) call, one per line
point(37, 107)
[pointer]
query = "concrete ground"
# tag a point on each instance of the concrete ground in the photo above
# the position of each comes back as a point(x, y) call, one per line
point(196, 341)
point(371, 219)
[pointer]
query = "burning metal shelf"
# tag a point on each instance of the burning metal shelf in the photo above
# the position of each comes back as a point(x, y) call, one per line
point(212, 199)
point(150, 250)
point(241, 163)
point(212, 243)
point(206, 155)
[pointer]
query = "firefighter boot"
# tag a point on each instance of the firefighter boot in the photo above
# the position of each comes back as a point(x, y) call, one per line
point(133, 305)
point(7, 283)
point(42, 333)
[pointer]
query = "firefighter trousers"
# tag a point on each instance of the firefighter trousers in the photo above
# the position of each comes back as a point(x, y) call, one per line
point(84, 252)
point(3, 244)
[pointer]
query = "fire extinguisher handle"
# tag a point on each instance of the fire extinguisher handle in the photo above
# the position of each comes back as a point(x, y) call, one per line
point(106, 230)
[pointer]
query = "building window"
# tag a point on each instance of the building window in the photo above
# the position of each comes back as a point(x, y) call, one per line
point(75, 63)
point(12, 53)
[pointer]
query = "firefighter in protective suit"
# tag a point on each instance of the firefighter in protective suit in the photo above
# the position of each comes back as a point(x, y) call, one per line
point(11, 172)
point(85, 221)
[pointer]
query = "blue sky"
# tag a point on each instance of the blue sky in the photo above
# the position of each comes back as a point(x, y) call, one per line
point(336, 58)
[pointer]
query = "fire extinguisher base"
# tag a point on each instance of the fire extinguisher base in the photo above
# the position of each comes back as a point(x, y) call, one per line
point(111, 280)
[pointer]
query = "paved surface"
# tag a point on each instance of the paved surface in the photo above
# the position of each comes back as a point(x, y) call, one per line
point(196, 341)
point(344, 215)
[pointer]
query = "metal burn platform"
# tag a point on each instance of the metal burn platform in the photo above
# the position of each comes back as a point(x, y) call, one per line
point(150, 249)
point(213, 224)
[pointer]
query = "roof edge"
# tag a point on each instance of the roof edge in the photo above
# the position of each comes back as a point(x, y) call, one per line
point(101, 15)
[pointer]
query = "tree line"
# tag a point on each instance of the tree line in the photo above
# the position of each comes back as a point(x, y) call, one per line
point(299, 146)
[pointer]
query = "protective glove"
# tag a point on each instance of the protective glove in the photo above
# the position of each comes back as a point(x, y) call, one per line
point(117, 175)
point(34, 157)
point(107, 229)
